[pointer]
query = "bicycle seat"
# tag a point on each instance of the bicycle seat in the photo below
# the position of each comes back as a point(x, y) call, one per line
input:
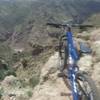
point(84, 48)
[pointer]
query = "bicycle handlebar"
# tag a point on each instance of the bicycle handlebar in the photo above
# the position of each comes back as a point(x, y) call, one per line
point(56, 25)
point(67, 25)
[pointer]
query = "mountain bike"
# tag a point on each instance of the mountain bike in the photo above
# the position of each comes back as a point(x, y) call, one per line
point(80, 83)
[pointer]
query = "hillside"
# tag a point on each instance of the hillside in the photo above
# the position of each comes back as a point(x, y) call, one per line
point(27, 85)
point(27, 45)
point(28, 18)
point(23, 29)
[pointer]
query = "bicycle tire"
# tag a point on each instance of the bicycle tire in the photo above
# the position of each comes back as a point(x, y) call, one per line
point(63, 54)
point(86, 78)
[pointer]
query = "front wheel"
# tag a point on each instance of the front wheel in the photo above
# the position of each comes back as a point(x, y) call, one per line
point(87, 87)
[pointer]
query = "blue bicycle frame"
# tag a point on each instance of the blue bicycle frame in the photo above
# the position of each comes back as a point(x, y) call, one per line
point(72, 69)
point(72, 57)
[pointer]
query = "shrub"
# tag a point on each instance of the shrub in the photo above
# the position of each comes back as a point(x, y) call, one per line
point(34, 81)
point(6, 71)
point(29, 93)
point(1, 92)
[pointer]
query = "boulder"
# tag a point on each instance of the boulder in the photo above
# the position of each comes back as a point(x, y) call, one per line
point(84, 35)
point(51, 90)
point(50, 67)
point(95, 35)
point(37, 49)
point(16, 94)
point(9, 81)
point(85, 63)
point(51, 87)
point(96, 50)
point(12, 89)
point(96, 74)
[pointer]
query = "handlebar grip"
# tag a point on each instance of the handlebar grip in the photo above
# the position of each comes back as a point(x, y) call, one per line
point(81, 26)
point(87, 26)
point(54, 25)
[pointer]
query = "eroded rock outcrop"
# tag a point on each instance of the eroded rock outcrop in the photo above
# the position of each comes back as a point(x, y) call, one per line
point(96, 51)
point(85, 63)
point(11, 89)
point(96, 74)
point(51, 87)
point(95, 35)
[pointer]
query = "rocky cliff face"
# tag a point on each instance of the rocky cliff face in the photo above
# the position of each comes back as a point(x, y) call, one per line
point(50, 86)
point(27, 18)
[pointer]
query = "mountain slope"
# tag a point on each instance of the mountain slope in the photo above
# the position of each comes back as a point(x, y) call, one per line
point(22, 22)
point(28, 18)
point(16, 12)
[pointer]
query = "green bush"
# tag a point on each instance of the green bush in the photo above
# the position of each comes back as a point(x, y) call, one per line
point(34, 81)
point(29, 93)
point(1, 92)
point(6, 72)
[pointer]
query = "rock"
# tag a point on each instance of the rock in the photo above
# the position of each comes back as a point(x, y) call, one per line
point(24, 62)
point(96, 74)
point(9, 81)
point(16, 94)
point(17, 65)
point(18, 50)
point(50, 67)
point(12, 86)
point(84, 35)
point(3, 64)
point(37, 49)
point(95, 35)
point(85, 63)
point(13, 90)
point(51, 90)
point(96, 50)
point(78, 40)
point(51, 87)
point(7, 98)
point(19, 96)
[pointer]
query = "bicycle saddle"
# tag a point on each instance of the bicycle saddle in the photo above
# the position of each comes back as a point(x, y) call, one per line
point(84, 48)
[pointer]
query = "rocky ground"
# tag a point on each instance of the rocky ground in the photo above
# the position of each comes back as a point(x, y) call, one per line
point(50, 86)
